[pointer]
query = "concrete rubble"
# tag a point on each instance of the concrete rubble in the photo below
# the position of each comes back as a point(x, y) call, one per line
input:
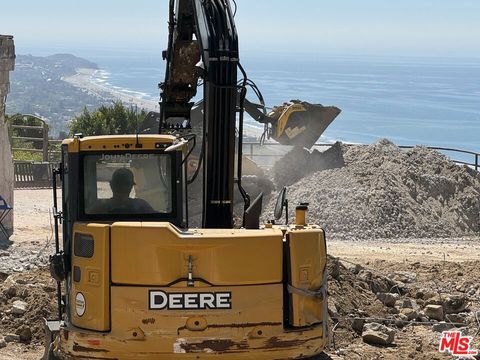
point(378, 334)
point(434, 312)
point(385, 192)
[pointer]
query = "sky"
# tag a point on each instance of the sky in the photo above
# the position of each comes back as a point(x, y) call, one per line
point(446, 28)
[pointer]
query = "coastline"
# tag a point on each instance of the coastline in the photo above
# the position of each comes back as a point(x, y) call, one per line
point(84, 80)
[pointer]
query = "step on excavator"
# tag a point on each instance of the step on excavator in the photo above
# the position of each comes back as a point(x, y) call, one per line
point(134, 280)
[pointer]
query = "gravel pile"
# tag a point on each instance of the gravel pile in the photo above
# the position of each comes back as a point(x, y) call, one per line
point(299, 162)
point(386, 192)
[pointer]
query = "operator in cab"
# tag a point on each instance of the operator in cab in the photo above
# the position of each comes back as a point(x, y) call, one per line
point(121, 184)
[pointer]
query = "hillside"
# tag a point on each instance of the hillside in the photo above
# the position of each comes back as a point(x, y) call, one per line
point(37, 88)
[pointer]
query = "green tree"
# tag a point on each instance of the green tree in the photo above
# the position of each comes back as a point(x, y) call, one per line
point(108, 120)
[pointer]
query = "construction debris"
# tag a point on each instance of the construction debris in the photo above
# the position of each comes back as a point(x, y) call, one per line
point(25, 300)
point(400, 306)
point(300, 162)
point(387, 192)
point(377, 334)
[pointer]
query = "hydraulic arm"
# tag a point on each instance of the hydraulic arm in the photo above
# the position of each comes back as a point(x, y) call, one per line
point(203, 44)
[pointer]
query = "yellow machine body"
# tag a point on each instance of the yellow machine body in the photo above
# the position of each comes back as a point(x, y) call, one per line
point(150, 290)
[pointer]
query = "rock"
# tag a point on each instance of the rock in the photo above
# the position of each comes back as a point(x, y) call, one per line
point(332, 311)
point(49, 289)
point(401, 320)
point(379, 285)
point(357, 325)
point(403, 276)
point(3, 343)
point(377, 334)
point(393, 311)
point(335, 268)
point(409, 313)
point(456, 318)
point(19, 307)
point(455, 304)
point(409, 304)
point(365, 275)
point(24, 293)
point(434, 312)
point(420, 295)
point(12, 338)
point(388, 299)
point(3, 275)
point(25, 334)
point(341, 352)
point(434, 300)
point(356, 269)
point(418, 345)
point(442, 326)
point(11, 292)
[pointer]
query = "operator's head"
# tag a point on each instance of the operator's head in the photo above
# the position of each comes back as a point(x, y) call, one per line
point(122, 182)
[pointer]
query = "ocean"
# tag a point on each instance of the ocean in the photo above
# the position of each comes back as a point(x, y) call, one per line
point(428, 101)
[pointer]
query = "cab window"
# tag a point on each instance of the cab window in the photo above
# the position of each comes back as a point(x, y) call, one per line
point(127, 184)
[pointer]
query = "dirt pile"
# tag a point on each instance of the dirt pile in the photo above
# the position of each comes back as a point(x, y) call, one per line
point(386, 192)
point(25, 300)
point(300, 162)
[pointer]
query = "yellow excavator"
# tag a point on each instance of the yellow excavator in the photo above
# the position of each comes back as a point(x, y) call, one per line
point(135, 281)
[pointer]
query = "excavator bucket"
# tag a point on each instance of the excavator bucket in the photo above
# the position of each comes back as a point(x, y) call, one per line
point(301, 123)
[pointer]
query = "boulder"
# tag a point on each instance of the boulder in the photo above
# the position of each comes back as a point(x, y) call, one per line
point(3, 343)
point(10, 292)
point(408, 303)
point(455, 304)
point(357, 325)
point(377, 334)
point(403, 276)
point(25, 334)
point(434, 312)
point(388, 299)
point(411, 314)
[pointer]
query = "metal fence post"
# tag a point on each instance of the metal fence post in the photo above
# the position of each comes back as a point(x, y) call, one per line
point(45, 142)
point(476, 162)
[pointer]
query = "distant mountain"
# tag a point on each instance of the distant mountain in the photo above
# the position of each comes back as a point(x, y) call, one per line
point(37, 88)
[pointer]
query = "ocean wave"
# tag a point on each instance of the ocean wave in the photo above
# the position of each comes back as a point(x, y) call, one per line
point(103, 78)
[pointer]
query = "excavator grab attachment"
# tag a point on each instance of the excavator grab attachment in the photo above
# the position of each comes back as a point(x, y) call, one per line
point(300, 123)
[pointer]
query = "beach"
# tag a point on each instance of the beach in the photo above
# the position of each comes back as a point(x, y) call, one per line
point(85, 80)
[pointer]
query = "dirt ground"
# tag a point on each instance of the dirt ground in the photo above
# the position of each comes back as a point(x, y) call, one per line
point(427, 270)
